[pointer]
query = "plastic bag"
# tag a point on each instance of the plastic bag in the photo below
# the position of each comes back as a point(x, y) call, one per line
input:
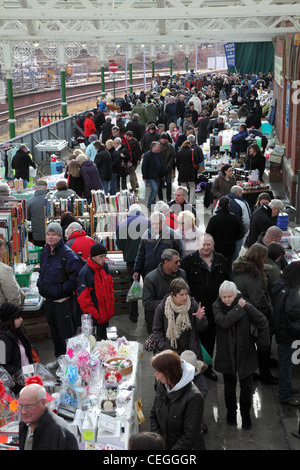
point(135, 292)
point(142, 190)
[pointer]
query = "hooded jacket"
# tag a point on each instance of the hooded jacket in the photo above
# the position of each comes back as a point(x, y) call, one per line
point(225, 229)
point(90, 176)
point(261, 219)
point(79, 242)
point(177, 414)
point(95, 292)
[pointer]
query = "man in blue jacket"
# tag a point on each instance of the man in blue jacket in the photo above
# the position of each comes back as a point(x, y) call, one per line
point(57, 283)
point(152, 171)
point(128, 237)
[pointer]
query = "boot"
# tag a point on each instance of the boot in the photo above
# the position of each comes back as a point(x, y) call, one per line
point(231, 411)
point(245, 414)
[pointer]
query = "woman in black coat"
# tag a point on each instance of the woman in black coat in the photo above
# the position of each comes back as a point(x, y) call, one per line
point(236, 355)
point(177, 410)
point(103, 163)
point(17, 348)
point(286, 302)
point(75, 181)
point(187, 174)
point(255, 160)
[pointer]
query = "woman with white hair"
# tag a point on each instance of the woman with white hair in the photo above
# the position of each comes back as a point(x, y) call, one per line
point(171, 218)
point(5, 193)
point(188, 232)
point(236, 355)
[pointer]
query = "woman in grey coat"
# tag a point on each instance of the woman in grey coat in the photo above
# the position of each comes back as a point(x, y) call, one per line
point(236, 355)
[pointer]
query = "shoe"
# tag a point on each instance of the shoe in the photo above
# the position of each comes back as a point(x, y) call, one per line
point(247, 426)
point(291, 402)
point(231, 419)
point(269, 380)
point(133, 319)
point(210, 374)
point(52, 365)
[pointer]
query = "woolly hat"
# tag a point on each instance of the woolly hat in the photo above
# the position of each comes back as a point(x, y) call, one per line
point(9, 311)
point(54, 227)
point(191, 358)
point(97, 249)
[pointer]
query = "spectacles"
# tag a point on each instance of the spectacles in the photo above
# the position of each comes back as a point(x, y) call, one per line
point(28, 407)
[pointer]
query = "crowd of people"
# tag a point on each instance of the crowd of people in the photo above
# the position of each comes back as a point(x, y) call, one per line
point(214, 298)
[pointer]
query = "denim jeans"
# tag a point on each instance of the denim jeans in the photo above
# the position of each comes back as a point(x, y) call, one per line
point(113, 184)
point(168, 181)
point(285, 365)
point(25, 183)
point(106, 186)
point(153, 185)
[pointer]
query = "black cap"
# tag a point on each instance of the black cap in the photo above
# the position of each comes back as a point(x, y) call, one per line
point(98, 249)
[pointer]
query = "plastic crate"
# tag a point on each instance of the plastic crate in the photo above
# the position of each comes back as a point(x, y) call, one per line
point(34, 255)
point(24, 278)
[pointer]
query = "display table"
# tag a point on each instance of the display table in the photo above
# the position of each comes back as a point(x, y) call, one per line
point(52, 146)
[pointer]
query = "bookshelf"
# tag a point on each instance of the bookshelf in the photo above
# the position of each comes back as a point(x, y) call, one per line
point(54, 208)
point(13, 230)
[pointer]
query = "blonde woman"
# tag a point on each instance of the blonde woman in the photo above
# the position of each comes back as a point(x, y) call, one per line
point(173, 132)
point(188, 232)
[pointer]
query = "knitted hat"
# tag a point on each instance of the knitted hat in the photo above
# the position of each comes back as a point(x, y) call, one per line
point(9, 311)
point(54, 227)
point(97, 249)
point(191, 358)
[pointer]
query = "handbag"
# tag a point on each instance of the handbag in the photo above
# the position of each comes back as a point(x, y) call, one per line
point(149, 344)
point(195, 166)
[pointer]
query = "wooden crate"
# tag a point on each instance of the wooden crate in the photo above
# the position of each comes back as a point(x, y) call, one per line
point(36, 325)
point(121, 287)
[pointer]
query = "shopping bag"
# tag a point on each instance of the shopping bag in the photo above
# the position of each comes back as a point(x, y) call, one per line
point(32, 172)
point(135, 292)
point(142, 190)
point(206, 357)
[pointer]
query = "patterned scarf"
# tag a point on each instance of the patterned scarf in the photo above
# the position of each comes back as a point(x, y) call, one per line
point(182, 323)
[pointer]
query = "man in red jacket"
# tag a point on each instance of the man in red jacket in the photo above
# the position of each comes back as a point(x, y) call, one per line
point(78, 240)
point(95, 291)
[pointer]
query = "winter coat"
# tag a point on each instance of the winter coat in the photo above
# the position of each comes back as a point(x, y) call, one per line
point(103, 163)
point(240, 207)
point(252, 285)
point(256, 162)
point(35, 213)
point(168, 155)
point(79, 242)
point(58, 272)
point(225, 229)
point(204, 283)
point(261, 219)
point(286, 304)
point(90, 177)
point(157, 285)
point(65, 194)
point(51, 433)
point(89, 127)
point(184, 164)
point(221, 187)
point(153, 113)
point(272, 271)
point(136, 152)
point(106, 131)
point(190, 239)
point(150, 249)
point(76, 183)
point(253, 120)
point(177, 414)
point(21, 163)
point(4, 197)
point(152, 168)
point(147, 140)
point(11, 349)
point(136, 129)
point(201, 125)
point(95, 292)
point(188, 340)
point(129, 233)
point(235, 350)
point(10, 291)
point(142, 112)
point(115, 159)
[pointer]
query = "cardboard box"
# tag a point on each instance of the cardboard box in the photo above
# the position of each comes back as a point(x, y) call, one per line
point(273, 158)
point(275, 176)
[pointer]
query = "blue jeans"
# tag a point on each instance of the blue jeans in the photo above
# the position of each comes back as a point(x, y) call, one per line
point(113, 184)
point(238, 246)
point(106, 185)
point(285, 365)
point(153, 185)
point(168, 181)
point(25, 183)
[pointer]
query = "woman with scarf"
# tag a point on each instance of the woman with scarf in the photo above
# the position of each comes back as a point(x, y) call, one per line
point(236, 356)
point(178, 320)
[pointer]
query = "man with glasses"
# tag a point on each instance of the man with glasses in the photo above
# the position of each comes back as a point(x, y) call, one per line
point(157, 283)
point(40, 428)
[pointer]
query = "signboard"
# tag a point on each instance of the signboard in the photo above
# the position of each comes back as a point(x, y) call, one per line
point(113, 67)
point(278, 64)
point(45, 121)
point(230, 54)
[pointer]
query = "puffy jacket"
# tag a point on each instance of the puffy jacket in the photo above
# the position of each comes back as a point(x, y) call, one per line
point(90, 176)
point(150, 250)
point(95, 292)
point(89, 127)
point(10, 291)
point(58, 272)
point(236, 351)
point(51, 433)
point(177, 414)
point(103, 163)
point(79, 242)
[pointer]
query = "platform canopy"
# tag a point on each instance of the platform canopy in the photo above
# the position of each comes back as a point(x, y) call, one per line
point(63, 27)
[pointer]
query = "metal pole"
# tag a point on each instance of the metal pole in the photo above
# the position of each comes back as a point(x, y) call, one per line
point(171, 69)
point(114, 88)
point(102, 81)
point(11, 112)
point(153, 67)
point(63, 93)
point(187, 64)
point(126, 73)
point(130, 78)
point(298, 200)
point(196, 58)
point(144, 67)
